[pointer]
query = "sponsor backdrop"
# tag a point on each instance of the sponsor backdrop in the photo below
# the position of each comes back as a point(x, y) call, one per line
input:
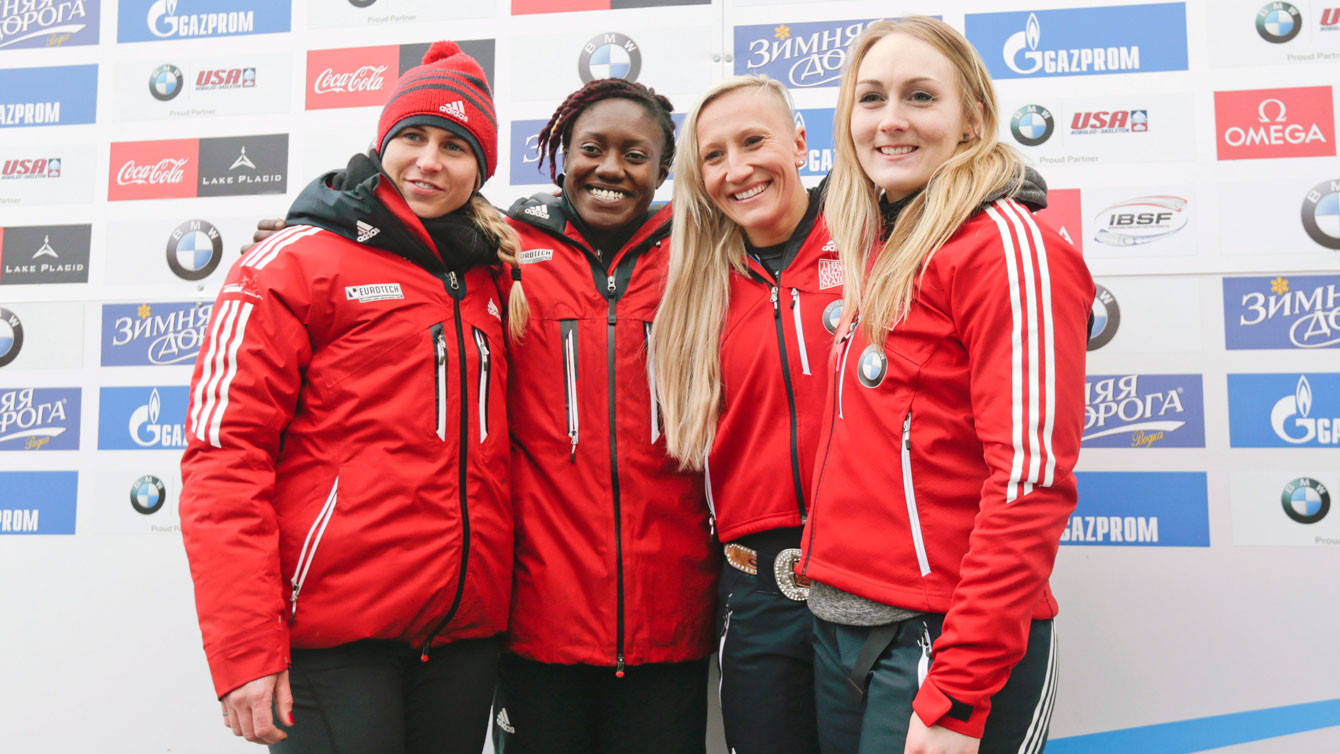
point(1190, 149)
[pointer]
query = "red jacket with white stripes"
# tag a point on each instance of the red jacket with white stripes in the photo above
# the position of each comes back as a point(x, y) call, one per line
point(774, 352)
point(346, 474)
point(945, 476)
point(614, 556)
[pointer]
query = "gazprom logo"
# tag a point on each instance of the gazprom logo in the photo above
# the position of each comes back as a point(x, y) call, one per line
point(1140, 508)
point(142, 418)
point(1284, 410)
point(1277, 312)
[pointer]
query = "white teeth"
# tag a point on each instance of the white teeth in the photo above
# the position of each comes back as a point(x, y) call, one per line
point(755, 191)
point(423, 185)
point(607, 194)
point(895, 150)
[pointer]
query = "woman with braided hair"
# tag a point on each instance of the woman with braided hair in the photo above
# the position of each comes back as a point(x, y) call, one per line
point(613, 596)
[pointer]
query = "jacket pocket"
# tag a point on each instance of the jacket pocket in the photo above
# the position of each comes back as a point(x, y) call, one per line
point(439, 344)
point(309, 547)
point(485, 363)
point(568, 332)
point(910, 495)
point(651, 383)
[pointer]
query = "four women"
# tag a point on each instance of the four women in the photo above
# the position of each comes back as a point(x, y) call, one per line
point(967, 319)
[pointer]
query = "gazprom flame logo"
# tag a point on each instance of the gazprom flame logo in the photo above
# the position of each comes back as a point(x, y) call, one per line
point(156, 12)
point(1018, 41)
point(1292, 411)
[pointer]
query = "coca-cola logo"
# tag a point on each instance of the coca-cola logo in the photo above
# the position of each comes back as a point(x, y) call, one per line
point(366, 78)
point(165, 171)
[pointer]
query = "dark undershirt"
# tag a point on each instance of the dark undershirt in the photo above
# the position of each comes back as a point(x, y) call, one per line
point(768, 256)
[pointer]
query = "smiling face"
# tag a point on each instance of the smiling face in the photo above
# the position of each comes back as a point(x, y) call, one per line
point(612, 165)
point(434, 169)
point(750, 152)
point(907, 116)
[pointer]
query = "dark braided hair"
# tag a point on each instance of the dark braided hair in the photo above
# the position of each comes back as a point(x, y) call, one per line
point(558, 131)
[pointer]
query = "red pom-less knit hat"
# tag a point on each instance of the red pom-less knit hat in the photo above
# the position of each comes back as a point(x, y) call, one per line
point(448, 91)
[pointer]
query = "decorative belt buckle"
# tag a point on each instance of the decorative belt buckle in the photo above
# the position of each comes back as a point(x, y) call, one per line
point(784, 568)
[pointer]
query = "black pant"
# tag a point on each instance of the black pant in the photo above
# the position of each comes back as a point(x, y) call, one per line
point(377, 697)
point(543, 708)
point(1020, 711)
point(767, 665)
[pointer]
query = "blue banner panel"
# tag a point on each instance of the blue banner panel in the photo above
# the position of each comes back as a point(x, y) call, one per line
point(39, 418)
point(38, 502)
point(142, 418)
point(153, 334)
point(1080, 41)
point(159, 20)
point(54, 23)
point(1140, 509)
point(1279, 312)
point(1289, 410)
point(1144, 411)
point(801, 55)
point(58, 96)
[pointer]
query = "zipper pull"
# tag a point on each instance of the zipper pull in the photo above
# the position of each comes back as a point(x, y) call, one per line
point(907, 431)
point(451, 275)
point(293, 602)
point(795, 297)
point(618, 669)
point(423, 652)
point(572, 456)
point(775, 307)
point(610, 287)
point(441, 349)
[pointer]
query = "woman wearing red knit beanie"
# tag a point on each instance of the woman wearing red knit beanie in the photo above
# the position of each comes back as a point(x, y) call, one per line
point(345, 508)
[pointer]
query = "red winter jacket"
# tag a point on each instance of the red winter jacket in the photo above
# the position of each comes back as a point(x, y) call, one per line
point(945, 475)
point(774, 354)
point(346, 475)
point(614, 556)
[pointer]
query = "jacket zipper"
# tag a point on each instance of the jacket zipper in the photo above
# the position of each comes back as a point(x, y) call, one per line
point(836, 385)
point(482, 347)
point(651, 384)
point(909, 493)
point(790, 402)
point(841, 376)
point(440, 379)
point(800, 331)
point(611, 294)
point(457, 293)
point(309, 545)
point(568, 330)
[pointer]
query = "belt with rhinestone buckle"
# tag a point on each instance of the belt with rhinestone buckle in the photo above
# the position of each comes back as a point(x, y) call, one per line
point(783, 569)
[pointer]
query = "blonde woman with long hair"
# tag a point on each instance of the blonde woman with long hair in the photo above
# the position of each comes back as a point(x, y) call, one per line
point(740, 344)
point(944, 477)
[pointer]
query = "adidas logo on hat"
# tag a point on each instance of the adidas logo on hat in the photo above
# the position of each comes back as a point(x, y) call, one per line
point(504, 722)
point(456, 110)
point(366, 231)
point(539, 210)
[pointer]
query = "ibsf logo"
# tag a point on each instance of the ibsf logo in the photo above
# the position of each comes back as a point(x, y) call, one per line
point(800, 55)
point(29, 169)
point(1086, 123)
point(1264, 123)
point(219, 79)
point(1141, 220)
point(1142, 411)
point(194, 249)
point(148, 495)
point(11, 336)
point(165, 82)
point(1305, 500)
point(39, 418)
point(136, 418)
point(1321, 214)
point(610, 55)
point(1301, 311)
point(145, 334)
point(1106, 318)
point(1032, 125)
point(1278, 23)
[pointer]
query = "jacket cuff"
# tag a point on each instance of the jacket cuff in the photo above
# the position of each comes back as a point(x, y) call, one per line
point(935, 707)
point(242, 663)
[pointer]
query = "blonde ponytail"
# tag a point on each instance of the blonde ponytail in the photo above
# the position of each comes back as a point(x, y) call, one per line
point(492, 224)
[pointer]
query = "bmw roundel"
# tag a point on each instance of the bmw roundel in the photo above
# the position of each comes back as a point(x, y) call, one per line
point(1321, 214)
point(1106, 319)
point(833, 316)
point(194, 250)
point(165, 82)
point(610, 55)
point(1306, 500)
point(147, 494)
point(1278, 23)
point(872, 366)
point(11, 336)
point(1032, 125)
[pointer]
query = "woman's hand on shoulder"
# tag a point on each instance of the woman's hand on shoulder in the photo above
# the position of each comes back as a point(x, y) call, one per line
point(264, 229)
point(247, 708)
point(937, 740)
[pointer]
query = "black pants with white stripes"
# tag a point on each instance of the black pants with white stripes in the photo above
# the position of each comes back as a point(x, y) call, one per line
point(546, 708)
point(1020, 712)
point(378, 697)
point(767, 666)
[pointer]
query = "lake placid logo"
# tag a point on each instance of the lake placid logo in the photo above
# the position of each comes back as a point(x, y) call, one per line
point(610, 55)
point(1321, 214)
point(1278, 23)
point(40, 254)
point(1265, 123)
point(1032, 125)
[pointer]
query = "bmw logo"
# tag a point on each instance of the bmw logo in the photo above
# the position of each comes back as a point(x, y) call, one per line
point(194, 250)
point(1278, 22)
point(1106, 319)
point(610, 56)
point(1032, 125)
point(165, 82)
point(872, 366)
point(11, 336)
point(148, 494)
point(1321, 214)
point(1306, 500)
point(833, 316)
